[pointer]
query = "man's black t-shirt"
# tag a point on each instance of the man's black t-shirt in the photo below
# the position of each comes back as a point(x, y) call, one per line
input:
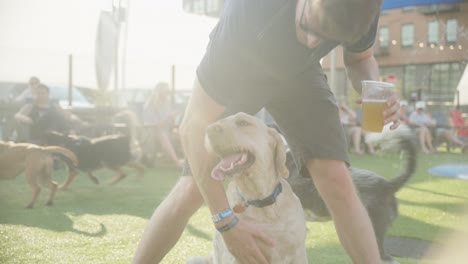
point(259, 38)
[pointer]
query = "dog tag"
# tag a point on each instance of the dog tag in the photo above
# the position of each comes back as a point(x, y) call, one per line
point(239, 208)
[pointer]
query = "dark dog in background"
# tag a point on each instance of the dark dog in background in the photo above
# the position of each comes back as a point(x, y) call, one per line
point(112, 152)
point(37, 164)
point(376, 192)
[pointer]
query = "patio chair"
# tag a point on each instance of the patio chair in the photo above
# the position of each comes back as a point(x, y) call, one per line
point(458, 123)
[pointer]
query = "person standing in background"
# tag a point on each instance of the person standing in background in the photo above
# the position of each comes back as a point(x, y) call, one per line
point(158, 113)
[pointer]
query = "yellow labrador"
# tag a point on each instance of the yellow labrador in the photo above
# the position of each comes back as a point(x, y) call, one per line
point(254, 155)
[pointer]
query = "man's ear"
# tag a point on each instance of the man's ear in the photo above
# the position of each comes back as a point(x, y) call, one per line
point(280, 153)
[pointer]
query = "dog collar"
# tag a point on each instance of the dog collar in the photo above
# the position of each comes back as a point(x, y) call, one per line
point(260, 203)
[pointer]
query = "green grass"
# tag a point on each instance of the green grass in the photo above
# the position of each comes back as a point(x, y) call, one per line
point(103, 224)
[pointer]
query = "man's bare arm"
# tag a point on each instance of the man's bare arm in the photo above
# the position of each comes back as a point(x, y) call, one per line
point(363, 66)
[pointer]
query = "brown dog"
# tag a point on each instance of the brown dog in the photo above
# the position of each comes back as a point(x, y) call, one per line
point(36, 162)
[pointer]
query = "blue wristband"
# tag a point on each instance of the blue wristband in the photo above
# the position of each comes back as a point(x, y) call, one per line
point(229, 225)
point(222, 215)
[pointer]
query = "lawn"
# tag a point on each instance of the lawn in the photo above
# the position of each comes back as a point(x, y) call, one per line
point(102, 224)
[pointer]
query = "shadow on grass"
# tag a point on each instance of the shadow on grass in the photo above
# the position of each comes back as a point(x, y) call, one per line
point(198, 233)
point(444, 194)
point(451, 208)
point(411, 227)
point(129, 197)
point(45, 218)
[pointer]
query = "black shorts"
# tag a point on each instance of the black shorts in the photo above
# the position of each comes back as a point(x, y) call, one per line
point(304, 109)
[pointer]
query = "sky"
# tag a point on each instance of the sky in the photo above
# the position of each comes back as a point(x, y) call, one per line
point(36, 37)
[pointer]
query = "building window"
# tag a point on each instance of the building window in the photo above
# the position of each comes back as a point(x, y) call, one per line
point(383, 37)
point(415, 78)
point(444, 79)
point(451, 31)
point(410, 82)
point(407, 35)
point(433, 32)
point(203, 7)
point(440, 77)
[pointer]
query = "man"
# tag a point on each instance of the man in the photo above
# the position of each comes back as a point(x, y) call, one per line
point(29, 93)
point(41, 115)
point(266, 53)
point(159, 114)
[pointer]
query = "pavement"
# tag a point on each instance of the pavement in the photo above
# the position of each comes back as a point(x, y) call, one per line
point(407, 247)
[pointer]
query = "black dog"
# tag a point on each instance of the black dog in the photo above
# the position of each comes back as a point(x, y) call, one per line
point(112, 151)
point(376, 192)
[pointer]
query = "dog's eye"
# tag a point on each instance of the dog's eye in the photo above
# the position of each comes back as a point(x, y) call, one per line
point(242, 123)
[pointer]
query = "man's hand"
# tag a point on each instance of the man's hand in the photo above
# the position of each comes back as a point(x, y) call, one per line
point(392, 113)
point(248, 244)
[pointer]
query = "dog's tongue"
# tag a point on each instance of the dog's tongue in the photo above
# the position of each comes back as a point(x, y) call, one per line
point(225, 165)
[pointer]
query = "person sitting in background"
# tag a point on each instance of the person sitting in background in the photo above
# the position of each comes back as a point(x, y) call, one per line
point(446, 133)
point(421, 122)
point(36, 118)
point(158, 113)
point(30, 92)
point(404, 115)
point(354, 132)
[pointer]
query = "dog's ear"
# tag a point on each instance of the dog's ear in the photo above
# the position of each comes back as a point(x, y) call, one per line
point(280, 153)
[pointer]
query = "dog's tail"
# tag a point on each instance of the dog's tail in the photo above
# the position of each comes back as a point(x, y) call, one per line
point(404, 140)
point(69, 156)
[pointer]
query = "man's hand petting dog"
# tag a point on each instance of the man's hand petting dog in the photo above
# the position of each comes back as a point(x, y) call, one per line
point(258, 246)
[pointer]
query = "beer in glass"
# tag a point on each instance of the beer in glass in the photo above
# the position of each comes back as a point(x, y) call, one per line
point(374, 102)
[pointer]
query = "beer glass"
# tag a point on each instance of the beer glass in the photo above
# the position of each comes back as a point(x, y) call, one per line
point(374, 102)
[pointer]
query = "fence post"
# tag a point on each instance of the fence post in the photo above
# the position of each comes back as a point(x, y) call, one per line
point(70, 80)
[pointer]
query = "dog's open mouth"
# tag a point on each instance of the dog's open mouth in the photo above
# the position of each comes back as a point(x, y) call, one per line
point(231, 164)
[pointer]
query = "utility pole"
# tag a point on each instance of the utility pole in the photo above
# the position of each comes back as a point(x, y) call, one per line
point(120, 14)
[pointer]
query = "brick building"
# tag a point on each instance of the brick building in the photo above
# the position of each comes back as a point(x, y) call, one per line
point(425, 48)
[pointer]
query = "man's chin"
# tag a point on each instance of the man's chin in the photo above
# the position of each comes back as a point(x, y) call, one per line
point(304, 39)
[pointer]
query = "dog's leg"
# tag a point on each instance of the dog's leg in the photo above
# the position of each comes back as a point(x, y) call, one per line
point(93, 178)
point(32, 179)
point(36, 192)
point(119, 177)
point(382, 218)
point(53, 189)
point(71, 176)
point(139, 167)
point(35, 188)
